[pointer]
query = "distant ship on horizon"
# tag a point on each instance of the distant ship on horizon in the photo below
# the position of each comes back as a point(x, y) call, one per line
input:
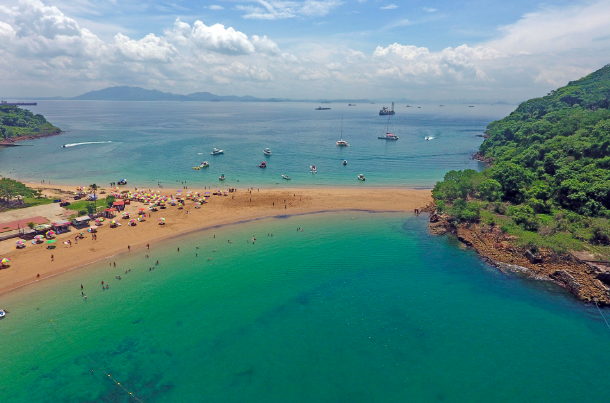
point(386, 111)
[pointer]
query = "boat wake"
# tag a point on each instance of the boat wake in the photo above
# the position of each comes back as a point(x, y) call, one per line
point(88, 142)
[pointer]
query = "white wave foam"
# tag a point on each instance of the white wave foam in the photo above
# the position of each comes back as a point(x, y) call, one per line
point(87, 142)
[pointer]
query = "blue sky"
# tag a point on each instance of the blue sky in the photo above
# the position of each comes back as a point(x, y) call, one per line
point(424, 49)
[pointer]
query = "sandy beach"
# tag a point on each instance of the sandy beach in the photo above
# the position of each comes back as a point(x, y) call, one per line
point(242, 205)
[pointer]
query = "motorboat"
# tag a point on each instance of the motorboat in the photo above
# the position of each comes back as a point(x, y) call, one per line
point(267, 151)
point(361, 177)
point(216, 151)
point(344, 162)
point(263, 165)
point(204, 164)
point(2, 313)
point(312, 169)
point(286, 177)
point(429, 138)
point(122, 182)
point(222, 177)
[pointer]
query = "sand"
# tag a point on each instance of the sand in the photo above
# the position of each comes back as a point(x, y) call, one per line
point(27, 263)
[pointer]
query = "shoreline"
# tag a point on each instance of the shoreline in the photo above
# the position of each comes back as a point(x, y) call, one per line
point(568, 271)
point(236, 208)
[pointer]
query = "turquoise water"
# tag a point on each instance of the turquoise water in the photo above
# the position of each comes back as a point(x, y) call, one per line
point(155, 142)
point(358, 307)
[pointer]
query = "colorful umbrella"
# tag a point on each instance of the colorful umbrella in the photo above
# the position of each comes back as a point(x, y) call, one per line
point(161, 219)
point(113, 222)
point(20, 242)
point(5, 260)
point(38, 237)
point(99, 219)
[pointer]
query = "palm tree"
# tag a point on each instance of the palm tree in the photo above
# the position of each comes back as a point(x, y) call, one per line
point(94, 188)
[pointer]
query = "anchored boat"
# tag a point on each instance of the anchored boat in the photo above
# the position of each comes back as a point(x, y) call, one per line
point(216, 151)
point(267, 151)
point(286, 177)
point(361, 177)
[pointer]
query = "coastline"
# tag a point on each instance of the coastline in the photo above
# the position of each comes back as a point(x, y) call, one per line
point(577, 275)
point(219, 211)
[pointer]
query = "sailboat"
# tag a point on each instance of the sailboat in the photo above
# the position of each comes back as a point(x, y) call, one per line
point(342, 143)
point(388, 136)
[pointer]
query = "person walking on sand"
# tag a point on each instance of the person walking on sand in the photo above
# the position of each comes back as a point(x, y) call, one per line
point(128, 248)
point(253, 239)
point(52, 258)
point(147, 246)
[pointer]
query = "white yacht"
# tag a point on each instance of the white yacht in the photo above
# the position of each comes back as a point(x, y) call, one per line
point(342, 143)
point(361, 177)
point(286, 177)
point(267, 151)
point(388, 136)
point(222, 177)
point(312, 169)
point(216, 151)
point(204, 164)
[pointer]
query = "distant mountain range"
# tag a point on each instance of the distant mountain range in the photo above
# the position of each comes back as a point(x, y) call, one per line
point(140, 94)
point(125, 93)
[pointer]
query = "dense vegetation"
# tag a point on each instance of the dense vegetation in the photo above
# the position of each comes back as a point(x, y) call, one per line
point(10, 189)
point(16, 122)
point(551, 167)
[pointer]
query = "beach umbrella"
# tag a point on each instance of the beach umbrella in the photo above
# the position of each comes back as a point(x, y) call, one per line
point(51, 233)
point(132, 221)
point(51, 241)
point(113, 222)
point(20, 242)
point(38, 237)
point(5, 260)
point(161, 219)
point(99, 219)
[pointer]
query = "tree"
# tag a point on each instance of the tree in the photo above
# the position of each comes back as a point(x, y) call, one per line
point(93, 187)
point(490, 190)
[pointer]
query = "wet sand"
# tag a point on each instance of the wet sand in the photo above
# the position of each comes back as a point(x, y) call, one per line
point(220, 210)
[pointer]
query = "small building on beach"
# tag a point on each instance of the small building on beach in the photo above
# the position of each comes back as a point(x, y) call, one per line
point(81, 222)
point(119, 205)
point(61, 226)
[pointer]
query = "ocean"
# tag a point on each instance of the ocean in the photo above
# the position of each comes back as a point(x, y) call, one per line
point(356, 307)
point(152, 143)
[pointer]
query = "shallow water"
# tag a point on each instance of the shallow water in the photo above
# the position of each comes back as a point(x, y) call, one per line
point(358, 307)
point(153, 142)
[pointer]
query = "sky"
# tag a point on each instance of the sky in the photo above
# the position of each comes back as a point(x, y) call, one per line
point(493, 50)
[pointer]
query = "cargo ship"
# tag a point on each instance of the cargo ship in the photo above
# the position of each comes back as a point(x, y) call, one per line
point(3, 102)
point(386, 111)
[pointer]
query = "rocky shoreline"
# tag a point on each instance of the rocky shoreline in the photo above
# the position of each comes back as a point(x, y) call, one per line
point(10, 142)
point(588, 280)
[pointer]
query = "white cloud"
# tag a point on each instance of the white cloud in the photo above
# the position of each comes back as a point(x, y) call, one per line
point(276, 10)
point(389, 7)
point(429, 10)
point(215, 7)
point(150, 48)
point(46, 52)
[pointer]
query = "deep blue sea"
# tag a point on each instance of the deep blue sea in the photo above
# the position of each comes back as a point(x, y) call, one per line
point(151, 142)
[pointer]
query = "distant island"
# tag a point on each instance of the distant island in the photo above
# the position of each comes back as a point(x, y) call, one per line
point(125, 93)
point(21, 124)
point(544, 202)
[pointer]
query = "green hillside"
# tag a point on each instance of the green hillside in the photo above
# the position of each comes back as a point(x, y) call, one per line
point(17, 122)
point(550, 170)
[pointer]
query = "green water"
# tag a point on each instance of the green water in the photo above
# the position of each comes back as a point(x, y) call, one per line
point(358, 307)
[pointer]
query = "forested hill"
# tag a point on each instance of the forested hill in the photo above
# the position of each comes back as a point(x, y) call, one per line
point(550, 157)
point(17, 123)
